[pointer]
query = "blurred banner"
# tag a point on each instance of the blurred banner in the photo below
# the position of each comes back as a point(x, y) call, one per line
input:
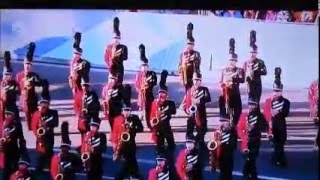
point(292, 47)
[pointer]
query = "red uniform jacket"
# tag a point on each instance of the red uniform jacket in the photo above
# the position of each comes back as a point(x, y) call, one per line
point(19, 78)
point(77, 102)
point(20, 175)
point(214, 155)
point(153, 114)
point(117, 130)
point(180, 164)
point(108, 54)
point(1, 153)
point(55, 165)
point(313, 97)
point(138, 85)
point(242, 131)
point(152, 174)
point(268, 114)
point(188, 98)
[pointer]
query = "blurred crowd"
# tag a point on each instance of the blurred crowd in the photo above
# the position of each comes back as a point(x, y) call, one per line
point(284, 16)
point(271, 15)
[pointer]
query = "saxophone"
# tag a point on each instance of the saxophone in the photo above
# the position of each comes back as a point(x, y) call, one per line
point(143, 91)
point(188, 175)
point(244, 142)
point(155, 121)
point(123, 138)
point(5, 137)
point(86, 154)
point(214, 151)
point(184, 66)
point(193, 108)
point(249, 78)
point(105, 104)
point(225, 94)
point(82, 117)
point(59, 176)
point(41, 131)
point(115, 53)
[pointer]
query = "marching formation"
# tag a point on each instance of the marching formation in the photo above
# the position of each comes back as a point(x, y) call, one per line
point(156, 111)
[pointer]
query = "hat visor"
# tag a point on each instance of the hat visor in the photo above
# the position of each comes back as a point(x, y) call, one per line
point(277, 90)
point(85, 84)
point(94, 124)
point(24, 162)
point(160, 159)
point(190, 141)
point(126, 109)
point(65, 145)
point(233, 59)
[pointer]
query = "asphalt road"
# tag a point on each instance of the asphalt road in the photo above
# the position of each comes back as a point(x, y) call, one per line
point(302, 159)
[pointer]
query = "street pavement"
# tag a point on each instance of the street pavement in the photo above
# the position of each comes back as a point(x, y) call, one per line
point(302, 158)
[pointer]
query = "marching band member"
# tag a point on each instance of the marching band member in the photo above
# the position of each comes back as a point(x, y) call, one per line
point(189, 63)
point(27, 81)
point(23, 171)
point(126, 126)
point(254, 68)
point(12, 142)
point(145, 81)
point(231, 77)
point(188, 162)
point(161, 111)
point(9, 88)
point(93, 145)
point(43, 123)
point(313, 97)
point(276, 110)
point(65, 164)
point(112, 99)
point(90, 107)
point(116, 53)
point(196, 99)
point(221, 148)
point(249, 131)
point(79, 67)
point(161, 171)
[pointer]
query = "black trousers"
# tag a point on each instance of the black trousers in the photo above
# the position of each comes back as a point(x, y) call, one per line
point(96, 171)
point(147, 112)
point(163, 136)
point(226, 162)
point(45, 159)
point(10, 162)
point(118, 71)
point(130, 166)
point(256, 92)
point(201, 130)
point(279, 132)
point(249, 168)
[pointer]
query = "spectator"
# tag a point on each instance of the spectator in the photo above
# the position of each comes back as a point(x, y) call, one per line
point(232, 13)
point(218, 13)
point(307, 16)
point(260, 15)
point(270, 16)
point(249, 14)
point(284, 16)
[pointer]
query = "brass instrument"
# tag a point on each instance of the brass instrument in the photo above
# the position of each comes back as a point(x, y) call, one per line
point(143, 93)
point(246, 149)
point(225, 94)
point(188, 172)
point(106, 101)
point(85, 156)
point(193, 108)
point(184, 66)
point(123, 138)
point(249, 78)
point(42, 128)
point(231, 113)
point(213, 147)
point(59, 176)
